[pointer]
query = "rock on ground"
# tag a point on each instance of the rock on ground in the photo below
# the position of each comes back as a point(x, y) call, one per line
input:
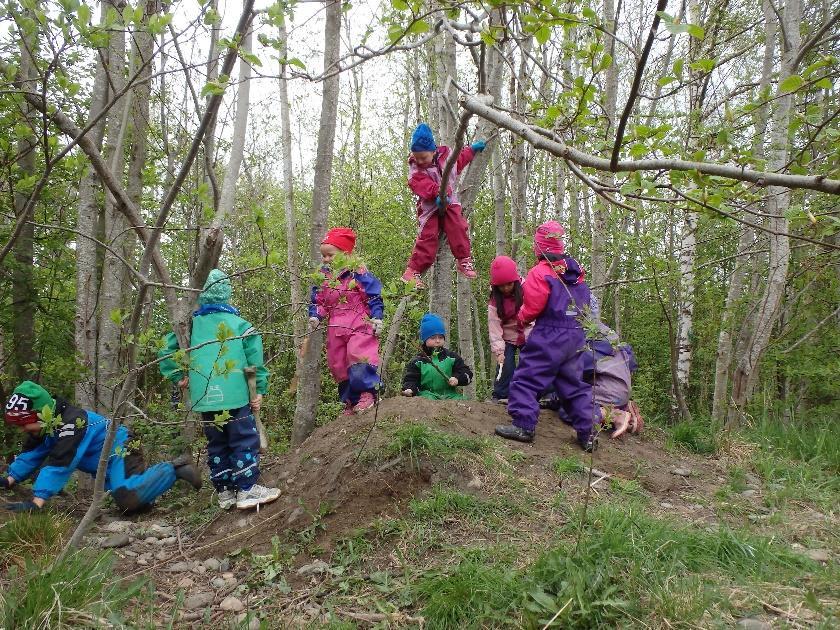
point(198, 600)
point(115, 541)
point(232, 604)
point(748, 623)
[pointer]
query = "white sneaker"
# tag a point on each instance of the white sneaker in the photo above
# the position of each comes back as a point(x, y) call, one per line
point(227, 499)
point(256, 495)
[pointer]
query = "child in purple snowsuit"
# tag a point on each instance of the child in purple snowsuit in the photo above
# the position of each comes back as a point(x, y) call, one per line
point(554, 297)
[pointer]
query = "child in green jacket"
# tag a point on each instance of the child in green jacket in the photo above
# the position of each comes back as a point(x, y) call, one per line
point(218, 387)
point(436, 372)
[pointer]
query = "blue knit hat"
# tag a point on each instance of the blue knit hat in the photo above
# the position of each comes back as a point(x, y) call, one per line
point(422, 139)
point(217, 289)
point(430, 326)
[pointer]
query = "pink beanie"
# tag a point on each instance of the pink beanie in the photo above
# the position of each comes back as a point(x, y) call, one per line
point(548, 239)
point(503, 270)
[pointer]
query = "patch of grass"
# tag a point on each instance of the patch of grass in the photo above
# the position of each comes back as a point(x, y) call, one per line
point(630, 487)
point(415, 440)
point(565, 467)
point(352, 550)
point(815, 442)
point(694, 437)
point(444, 502)
point(789, 480)
point(33, 535)
point(80, 592)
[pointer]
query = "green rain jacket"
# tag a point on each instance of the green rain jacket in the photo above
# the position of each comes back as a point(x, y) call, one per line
point(217, 379)
point(428, 373)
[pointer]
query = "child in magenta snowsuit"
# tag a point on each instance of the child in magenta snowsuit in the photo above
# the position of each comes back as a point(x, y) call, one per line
point(351, 302)
point(507, 333)
point(425, 172)
point(554, 297)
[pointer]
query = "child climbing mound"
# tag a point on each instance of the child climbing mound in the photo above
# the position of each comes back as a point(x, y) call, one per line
point(436, 214)
point(507, 333)
point(351, 302)
point(219, 391)
point(555, 297)
point(436, 372)
point(62, 438)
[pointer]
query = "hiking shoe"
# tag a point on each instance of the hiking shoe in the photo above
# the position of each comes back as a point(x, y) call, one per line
point(185, 470)
point(511, 432)
point(226, 499)
point(366, 401)
point(412, 275)
point(499, 401)
point(256, 495)
point(466, 267)
point(348, 409)
point(588, 442)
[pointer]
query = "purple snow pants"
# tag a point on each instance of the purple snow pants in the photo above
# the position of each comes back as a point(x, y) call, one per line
point(552, 357)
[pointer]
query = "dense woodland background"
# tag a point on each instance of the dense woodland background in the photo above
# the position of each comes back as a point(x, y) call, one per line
point(141, 145)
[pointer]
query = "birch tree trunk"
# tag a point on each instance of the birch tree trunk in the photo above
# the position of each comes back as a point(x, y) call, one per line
point(518, 163)
point(22, 276)
point(777, 203)
point(295, 285)
point(309, 387)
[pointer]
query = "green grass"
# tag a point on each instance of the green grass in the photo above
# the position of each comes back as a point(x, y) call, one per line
point(695, 436)
point(415, 441)
point(443, 502)
point(80, 592)
point(33, 535)
point(565, 467)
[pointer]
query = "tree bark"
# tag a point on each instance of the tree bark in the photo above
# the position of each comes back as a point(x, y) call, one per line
point(309, 387)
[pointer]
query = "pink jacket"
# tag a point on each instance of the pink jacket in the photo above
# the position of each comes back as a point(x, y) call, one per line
point(504, 329)
point(425, 182)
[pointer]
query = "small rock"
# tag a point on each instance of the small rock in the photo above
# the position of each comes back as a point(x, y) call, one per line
point(748, 493)
point(242, 523)
point(191, 616)
point(666, 505)
point(198, 600)
point(161, 531)
point(753, 624)
point(295, 515)
point(224, 565)
point(115, 541)
point(229, 576)
point(142, 560)
point(171, 540)
point(253, 622)
point(319, 566)
point(317, 461)
point(797, 546)
point(118, 527)
point(180, 567)
point(283, 475)
point(212, 564)
point(475, 483)
point(775, 486)
point(185, 582)
point(818, 555)
point(696, 506)
point(752, 480)
point(681, 472)
point(151, 540)
point(130, 553)
point(200, 569)
point(162, 555)
point(232, 604)
point(218, 582)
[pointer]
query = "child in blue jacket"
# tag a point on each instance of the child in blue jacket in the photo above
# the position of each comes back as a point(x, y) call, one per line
point(73, 440)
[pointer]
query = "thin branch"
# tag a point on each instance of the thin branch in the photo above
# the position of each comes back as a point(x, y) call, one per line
point(814, 39)
point(811, 332)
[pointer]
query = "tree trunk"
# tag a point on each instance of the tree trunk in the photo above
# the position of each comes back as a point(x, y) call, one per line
point(292, 256)
point(309, 387)
point(518, 163)
point(499, 203)
point(777, 203)
point(24, 292)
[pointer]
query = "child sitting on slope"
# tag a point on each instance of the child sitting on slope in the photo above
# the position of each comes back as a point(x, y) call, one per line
point(555, 297)
point(436, 372)
point(507, 333)
point(351, 302)
point(436, 215)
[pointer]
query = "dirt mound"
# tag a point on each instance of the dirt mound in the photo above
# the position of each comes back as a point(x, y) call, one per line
point(330, 489)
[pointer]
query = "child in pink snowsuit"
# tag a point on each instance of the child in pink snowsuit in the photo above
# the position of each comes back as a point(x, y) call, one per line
point(351, 302)
point(436, 215)
point(507, 333)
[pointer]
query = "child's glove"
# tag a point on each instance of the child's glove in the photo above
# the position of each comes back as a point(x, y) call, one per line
point(377, 326)
point(5, 483)
point(407, 392)
point(442, 204)
point(453, 381)
point(478, 146)
point(22, 506)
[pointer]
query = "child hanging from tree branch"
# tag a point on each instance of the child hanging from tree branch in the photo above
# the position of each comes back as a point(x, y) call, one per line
point(435, 214)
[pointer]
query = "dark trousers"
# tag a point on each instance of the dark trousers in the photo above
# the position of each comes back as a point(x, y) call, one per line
point(501, 385)
point(233, 449)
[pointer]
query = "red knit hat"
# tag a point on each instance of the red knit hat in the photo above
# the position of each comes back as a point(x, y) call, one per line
point(548, 239)
point(341, 237)
point(503, 270)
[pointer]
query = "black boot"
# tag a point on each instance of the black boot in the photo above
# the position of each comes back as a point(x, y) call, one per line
point(588, 442)
point(511, 432)
point(185, 470)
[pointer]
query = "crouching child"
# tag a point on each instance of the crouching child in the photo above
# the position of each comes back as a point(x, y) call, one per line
point(437, 372)
point(62, 438)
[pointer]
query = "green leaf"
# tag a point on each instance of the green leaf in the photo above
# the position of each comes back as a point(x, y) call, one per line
point(399, 5)
point(791, 84)
point(543, 34)
point(823, 84)
point(678, 67)
point(666, 80)
point(83, 14)
point(697, 32)
point(606, 62)
point(703, 65)
point(115, 316)
point(418, 27)
point(211, 17)
point(588, 13)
